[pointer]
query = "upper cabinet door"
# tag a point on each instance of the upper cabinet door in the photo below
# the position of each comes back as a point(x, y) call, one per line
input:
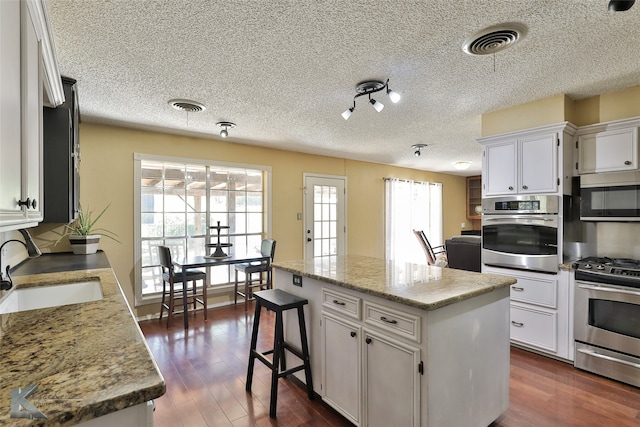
point(538, 164)
point(608, 151)
point(32, 188)
point(499, 169)
point(10, 114)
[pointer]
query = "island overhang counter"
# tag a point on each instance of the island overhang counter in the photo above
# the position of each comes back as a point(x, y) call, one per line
point(400, 343)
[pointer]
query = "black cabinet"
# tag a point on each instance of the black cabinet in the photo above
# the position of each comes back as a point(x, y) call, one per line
point(61, 155)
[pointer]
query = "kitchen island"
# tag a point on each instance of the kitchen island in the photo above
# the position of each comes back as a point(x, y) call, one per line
point(89, 361)
point(403, 344)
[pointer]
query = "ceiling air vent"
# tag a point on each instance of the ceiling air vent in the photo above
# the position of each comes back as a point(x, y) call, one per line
point(186, 105)
point(494, 39)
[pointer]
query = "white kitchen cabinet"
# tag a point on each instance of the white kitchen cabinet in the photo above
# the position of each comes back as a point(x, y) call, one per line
point(526, 162)
point(10, 113)
point(608, 151)
point(23, 72)
point(391, 381)
point(541, 311)
point(370, 376)
point(341, 366)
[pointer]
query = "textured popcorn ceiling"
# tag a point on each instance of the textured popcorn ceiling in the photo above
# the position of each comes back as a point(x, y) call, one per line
point(284, 71)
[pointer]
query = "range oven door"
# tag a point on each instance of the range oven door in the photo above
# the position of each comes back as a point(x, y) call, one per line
point(607, 331)
point(608, 316)
point(526, 242)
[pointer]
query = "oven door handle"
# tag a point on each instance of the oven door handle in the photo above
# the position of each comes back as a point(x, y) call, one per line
point(608, 289)
point(609, 358)
point(502, 218)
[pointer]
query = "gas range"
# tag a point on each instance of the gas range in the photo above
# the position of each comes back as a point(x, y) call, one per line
point(614, 271)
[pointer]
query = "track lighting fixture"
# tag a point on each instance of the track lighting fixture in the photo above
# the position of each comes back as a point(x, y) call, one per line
point(367, 88)
point(418, 149)
point(225, 125)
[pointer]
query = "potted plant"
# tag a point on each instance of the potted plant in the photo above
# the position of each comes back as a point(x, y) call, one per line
point(83, 235)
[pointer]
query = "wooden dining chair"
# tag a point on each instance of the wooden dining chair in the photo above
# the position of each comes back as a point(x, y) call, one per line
point(172, 287)
point(436, 255)
point(267, 248)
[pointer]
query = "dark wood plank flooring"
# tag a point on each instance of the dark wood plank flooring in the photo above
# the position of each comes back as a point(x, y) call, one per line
point(205, 371)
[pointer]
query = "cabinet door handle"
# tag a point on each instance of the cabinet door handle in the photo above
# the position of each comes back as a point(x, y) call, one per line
point(525, 187)
point(28, 203)
point(627, 162)
point(518, 289)
point(510, 187)
point(368, 340)
point(518, 324)
point(392, 321)
point(336, 302)
point(353, 334)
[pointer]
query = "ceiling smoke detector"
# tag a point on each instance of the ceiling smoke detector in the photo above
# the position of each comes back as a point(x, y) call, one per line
point(186, 105)
point(494, 39)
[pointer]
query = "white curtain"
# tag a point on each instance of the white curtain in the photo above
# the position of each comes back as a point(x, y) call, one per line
point(411, 205)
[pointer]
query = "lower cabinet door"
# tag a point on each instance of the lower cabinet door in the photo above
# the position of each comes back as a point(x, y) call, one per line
point(391, 382)
point(341, 366)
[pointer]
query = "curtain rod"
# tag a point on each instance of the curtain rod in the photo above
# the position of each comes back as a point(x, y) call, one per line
point(384, 178)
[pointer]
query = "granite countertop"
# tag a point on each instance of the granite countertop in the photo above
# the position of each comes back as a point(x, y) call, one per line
point(87, 359)
point(423, 286)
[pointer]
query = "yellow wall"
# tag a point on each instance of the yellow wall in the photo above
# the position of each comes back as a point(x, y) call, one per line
point(598, 109)
point(107, 170)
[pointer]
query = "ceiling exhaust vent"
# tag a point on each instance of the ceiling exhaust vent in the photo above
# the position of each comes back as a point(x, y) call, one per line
point(494, 39)
point(186, 105)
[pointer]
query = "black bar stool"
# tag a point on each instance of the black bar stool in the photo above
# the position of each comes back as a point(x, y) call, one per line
point(279, 301)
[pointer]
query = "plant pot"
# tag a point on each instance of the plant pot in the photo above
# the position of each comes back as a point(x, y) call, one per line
point(84, 244)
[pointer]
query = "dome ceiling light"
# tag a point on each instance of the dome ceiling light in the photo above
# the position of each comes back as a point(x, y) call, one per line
point(462, 165)
point(367, 88)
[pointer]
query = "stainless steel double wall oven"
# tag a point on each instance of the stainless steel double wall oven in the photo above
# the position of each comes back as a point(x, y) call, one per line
point(521, 232)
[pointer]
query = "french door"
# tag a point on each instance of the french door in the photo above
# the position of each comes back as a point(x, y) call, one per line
point(325, 228)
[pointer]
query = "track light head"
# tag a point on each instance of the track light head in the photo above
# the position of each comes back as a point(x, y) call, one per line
point(377, 105)
point(225, 125)
point(393, 95)
point(418, 149)
point(620, 5)
point(347, 113)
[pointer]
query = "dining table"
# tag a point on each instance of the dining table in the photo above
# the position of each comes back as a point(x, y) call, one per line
point(199, 261)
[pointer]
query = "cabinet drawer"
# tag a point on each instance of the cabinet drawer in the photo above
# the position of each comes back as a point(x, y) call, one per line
point(535, 291)
point(535, 328)
point(342, 303)
point(400, 323)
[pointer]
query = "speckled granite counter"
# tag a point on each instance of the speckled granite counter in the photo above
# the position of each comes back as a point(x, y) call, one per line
point(421, 286)
point(87, 359)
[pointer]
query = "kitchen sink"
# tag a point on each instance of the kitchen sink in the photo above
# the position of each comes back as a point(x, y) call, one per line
point(23, 299)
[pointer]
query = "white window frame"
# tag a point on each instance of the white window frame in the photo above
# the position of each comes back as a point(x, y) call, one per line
point(137, 227)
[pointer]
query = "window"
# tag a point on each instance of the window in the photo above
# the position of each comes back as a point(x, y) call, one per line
point(411, 205)
point(178, 203)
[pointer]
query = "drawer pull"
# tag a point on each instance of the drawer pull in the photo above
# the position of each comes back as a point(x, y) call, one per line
point(392, 321)
point(518, 324)
point(518, 289)
point(335, 301)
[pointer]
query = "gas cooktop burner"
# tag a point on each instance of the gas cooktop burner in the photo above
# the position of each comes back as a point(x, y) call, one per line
point(615, 271)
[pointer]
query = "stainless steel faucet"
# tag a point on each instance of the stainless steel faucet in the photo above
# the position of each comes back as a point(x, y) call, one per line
point(32, 251)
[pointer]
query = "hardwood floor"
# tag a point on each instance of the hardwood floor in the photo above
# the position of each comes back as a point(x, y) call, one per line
point(205, 371)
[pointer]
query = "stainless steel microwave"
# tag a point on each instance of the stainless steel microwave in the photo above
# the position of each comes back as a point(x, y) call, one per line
point(610, 196)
